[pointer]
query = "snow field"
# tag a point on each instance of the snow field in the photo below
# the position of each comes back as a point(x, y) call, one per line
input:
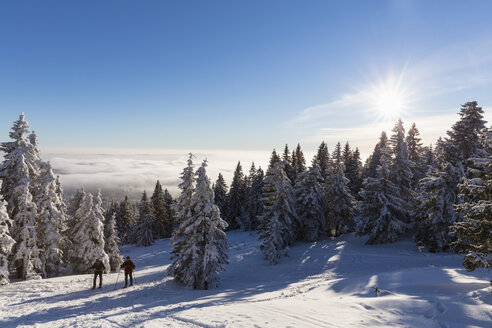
point(321, 284)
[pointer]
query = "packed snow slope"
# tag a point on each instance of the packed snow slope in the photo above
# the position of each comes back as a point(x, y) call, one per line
point(322, 284)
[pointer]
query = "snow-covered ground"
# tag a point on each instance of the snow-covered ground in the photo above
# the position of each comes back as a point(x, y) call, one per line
point(323, 284)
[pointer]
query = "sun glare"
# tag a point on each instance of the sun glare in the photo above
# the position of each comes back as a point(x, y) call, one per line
point(389, 100)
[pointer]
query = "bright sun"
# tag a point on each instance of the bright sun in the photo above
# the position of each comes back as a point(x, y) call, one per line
point(389, 100)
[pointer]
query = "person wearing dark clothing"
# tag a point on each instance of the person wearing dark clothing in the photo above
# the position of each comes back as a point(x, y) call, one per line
point(129, 267)
point(98, 267)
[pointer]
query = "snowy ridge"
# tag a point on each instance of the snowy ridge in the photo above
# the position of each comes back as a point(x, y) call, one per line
point(328, 283)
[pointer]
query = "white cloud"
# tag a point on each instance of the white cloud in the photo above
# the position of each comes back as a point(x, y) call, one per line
point(119, 172)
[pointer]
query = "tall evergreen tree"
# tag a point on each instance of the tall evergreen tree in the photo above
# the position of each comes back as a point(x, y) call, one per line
point(435, 212)
point(401, 168)
point(146, 223)
point(311, 203)
point(183, 215)
point(274, 159)
point(339, 200)
point(373, 161)
point(253, 201)
point(289, 164)
point(463, 138)
point(220, 194)
point(416, 155)
point(159, 211)
point(50, 223)
point(279, 216)
point(382, 214)
point(300, 161)
point(112, 244)
point(323, 158)
point(6, 243)
point(170, 212)
point(126, 220)
point(235, 199)
point(475, 232)
point(87, 236)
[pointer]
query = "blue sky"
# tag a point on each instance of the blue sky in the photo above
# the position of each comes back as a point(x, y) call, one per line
point(238, 75)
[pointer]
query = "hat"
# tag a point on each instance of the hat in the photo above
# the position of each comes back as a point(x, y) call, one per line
point(128, 257)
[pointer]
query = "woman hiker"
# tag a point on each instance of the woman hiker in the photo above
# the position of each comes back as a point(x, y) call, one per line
point(98, 267)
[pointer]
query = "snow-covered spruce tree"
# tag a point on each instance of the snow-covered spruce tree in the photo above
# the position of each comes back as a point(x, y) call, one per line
point(254, 203)
point(373, 161)
point(463, 138)
point(144, 231)
point(475, 231)
point(6, 243)
point(206, 236)
point(170, 212)
point(126, 221)
point(289, 164)
point(87, 236)
point(416, 155)
point(112, 244)
point(50, 222)
point(299, 161)
point(381, 207)
point(401, 168)
point(183, 214)
point(323, 158)
point(21, 145)
point(220, 194)
point(274, 158)
point(311, 205)
point(146, 223)
point(339, 200)
point(435, 212)
point(279, 216)
point(235, 199)
point(162, 228)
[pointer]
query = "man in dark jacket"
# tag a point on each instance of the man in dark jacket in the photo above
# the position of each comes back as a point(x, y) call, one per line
point(98, 267)
point(129, 267)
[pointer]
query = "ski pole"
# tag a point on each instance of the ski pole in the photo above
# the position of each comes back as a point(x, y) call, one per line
point(116, 279)
point(134, 279)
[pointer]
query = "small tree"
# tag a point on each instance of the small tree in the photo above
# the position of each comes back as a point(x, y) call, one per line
point(111, 244)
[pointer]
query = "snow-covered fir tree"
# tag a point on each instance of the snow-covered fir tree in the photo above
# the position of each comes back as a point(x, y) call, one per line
point(309, 193)
point(298, 161)
point(220, 194)
point(253, 201)
point(373, 161)
point(435, 212)
point(146, 223)
point(145, 235)
point(475, 231)
point(463, 138)
point(279, 217)
point(6, 243)
point(323, 158)
point(383, 217)
point(87, 236)
point(183, 214)
point(401, 168)
point(111, 244)
point(339, 200)
point(274, 158)
point(162, 226)
point(51, 222)
point(289, 164)
point(207, 232)
point(235, 199)
point(170, 212)
point(416, 155)
point(18, 172)
point(126, 221)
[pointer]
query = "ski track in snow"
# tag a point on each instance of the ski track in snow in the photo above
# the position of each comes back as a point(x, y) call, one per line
point(328, 283)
